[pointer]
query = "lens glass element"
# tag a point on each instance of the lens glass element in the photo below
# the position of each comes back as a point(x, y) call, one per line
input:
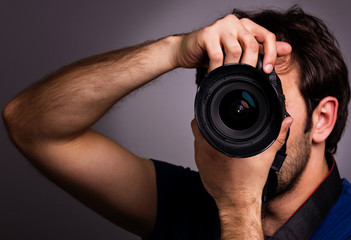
point(238, 110)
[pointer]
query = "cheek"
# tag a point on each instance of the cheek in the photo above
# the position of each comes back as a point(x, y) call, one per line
point(297, 110)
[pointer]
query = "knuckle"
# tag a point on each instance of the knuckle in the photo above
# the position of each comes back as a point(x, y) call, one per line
point(280, 142)
point(206, 32)
point(216, 56)
point(271, 36)
point(246, 21)
point(234, 49)
point(228, 19)
point(281, 139)
point(231, 17)
point(252, 44)
point(247, 36)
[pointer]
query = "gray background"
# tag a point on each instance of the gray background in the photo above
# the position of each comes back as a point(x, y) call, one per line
point(39, 36)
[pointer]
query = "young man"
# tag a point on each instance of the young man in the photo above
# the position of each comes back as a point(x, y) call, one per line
point(50, 123)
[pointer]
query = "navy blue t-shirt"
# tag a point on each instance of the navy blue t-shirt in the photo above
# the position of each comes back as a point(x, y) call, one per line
point(187, 211)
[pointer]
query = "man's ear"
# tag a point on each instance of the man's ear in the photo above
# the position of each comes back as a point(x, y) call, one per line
point(324, 118)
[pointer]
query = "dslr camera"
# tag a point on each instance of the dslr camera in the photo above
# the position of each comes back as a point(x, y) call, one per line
point(239, 109)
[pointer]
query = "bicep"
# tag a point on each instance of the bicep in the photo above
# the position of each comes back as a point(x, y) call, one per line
point(106, 177)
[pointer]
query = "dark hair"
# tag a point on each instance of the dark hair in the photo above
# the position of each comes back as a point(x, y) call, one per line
point(322, 70)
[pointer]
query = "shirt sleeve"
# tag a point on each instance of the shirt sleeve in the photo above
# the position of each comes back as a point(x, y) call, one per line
point(182, 201)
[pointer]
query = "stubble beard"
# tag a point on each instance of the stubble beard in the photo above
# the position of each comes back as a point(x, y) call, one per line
point(295, 164)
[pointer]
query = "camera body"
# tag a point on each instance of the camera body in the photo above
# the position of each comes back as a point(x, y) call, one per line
point(239, 109)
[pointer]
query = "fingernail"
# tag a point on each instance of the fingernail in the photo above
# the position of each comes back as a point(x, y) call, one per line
point(268, 68)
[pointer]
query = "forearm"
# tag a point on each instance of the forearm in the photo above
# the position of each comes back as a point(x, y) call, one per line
point(69, 101)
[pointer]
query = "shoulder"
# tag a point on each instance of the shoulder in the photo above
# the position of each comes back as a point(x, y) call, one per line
point(338, 221)
point(346, 187)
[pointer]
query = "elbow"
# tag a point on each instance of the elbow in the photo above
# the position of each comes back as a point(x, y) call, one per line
point(7, 112)
point(11, 121)
point(17, 127)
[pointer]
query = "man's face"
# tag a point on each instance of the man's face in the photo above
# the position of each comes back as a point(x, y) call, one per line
point(299, 142)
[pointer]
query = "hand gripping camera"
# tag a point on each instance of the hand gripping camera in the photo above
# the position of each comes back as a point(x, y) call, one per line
point(239, 109)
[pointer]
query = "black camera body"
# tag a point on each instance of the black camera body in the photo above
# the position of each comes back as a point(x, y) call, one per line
point(239, 109)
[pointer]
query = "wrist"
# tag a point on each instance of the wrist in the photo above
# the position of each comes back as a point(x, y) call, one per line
point(242, 204)
point(241, 221)
point(241, 198)
point(172, 43)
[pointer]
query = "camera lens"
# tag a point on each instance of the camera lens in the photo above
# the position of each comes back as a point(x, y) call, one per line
point(239, 110)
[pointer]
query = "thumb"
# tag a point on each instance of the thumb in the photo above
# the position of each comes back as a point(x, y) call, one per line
point(283, 132)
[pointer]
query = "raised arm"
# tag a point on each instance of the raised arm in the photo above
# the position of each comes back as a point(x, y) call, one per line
point(50, 121)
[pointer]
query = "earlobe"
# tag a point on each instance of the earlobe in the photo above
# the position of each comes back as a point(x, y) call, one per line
point(324, 118)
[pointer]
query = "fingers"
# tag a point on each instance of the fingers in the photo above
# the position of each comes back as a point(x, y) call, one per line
point(232, 50)
point(268, 42)
point(283, 49)
point(215, 53)
point(233, 40)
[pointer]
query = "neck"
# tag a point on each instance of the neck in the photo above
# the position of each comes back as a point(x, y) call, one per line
point(280, 209)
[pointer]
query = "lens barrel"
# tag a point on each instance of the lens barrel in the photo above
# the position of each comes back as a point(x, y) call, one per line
point(239, 109)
